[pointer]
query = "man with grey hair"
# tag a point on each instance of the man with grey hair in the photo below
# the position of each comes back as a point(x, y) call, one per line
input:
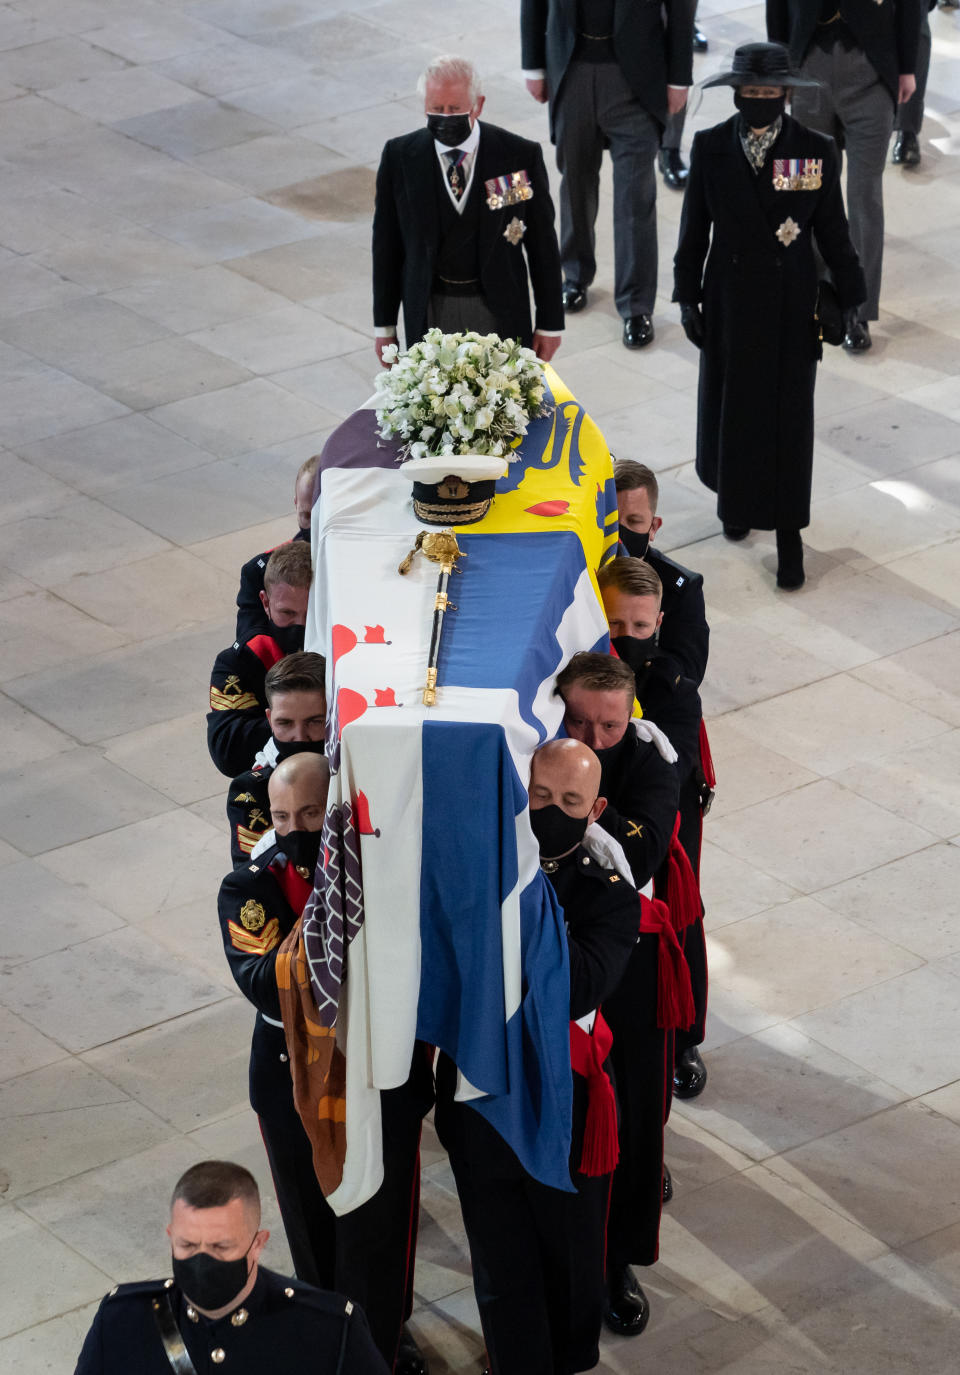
point(463, 224)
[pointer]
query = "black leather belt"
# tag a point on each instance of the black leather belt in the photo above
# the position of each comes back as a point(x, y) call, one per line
point(446, 286)
point(176, 1353)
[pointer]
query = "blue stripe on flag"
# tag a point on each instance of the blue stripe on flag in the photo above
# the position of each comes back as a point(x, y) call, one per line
point(510, 600)
point(472, 796)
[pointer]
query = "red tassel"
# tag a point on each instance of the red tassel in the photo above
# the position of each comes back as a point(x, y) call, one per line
point(675, 1005)
point(601, 1147)
point(706, 758)
point(682, 894)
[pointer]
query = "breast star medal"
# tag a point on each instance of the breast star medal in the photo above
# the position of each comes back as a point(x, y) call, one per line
point(788, 231)
point(252, 915)
point(515, 231)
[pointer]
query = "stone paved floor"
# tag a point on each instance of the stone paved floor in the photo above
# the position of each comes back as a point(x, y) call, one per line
point(185, 192)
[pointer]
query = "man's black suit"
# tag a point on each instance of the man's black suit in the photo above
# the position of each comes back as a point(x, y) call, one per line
point(888, 33)
point(407, 228)
point(609, 90)
point(858, 57)
point(653, 46)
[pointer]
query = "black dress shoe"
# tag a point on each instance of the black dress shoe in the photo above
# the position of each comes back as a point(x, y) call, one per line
point(690, 1074)
point(735, 532)
point(410, 1359)
point(790, 574)
point(906, 149)
point(628, 1308)
point(700, 44)
point(638, 331)
point(574, 297)
point(673, 167)
point(667, 1185)
point(857, 338)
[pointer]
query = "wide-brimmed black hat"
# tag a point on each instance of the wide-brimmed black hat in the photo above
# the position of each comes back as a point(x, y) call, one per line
point(761, 64)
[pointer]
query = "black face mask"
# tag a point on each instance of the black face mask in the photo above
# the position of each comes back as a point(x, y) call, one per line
point(636, 652)
point(302, 848)
point(450, 130)
point(285, 748)
point(610, 754)
point(288, 637)
point(211, 1283)
point(758, 111)
point(634, 542)
point(556, 832)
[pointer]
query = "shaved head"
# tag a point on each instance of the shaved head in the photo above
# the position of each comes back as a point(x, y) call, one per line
point(570, 762)
point(566, 774)
point(298, 790)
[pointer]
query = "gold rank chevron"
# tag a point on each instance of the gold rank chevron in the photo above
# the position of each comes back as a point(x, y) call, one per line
point(259, 943)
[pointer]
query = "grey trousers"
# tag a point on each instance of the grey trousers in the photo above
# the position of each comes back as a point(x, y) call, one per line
point(460, 314)
point(910, 113)
point(596, 108)
point(673, 131)
point(855, 107)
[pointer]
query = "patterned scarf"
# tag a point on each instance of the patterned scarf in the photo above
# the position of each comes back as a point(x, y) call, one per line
point(755, 146)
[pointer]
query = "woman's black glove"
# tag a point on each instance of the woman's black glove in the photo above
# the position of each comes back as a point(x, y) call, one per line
point(691, 317)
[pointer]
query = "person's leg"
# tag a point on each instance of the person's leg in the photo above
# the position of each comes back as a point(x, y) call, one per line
point(579, 153)
point(506, 1257)
point(865, 109)
point(309, 1222)
point(376, 1243)
point(634, 137)
point(571, 1229)
point(674, 169)
point(909, 117)
point(814, 105)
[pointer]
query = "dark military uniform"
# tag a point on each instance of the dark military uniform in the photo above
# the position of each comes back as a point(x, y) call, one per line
point(673, 703)
point(237, 723)
point(684, 632)
point(248, 811)
point(251, 617)
point(537, 1252)
point(368, 1253)
point(641, 789)
point(282, 1328)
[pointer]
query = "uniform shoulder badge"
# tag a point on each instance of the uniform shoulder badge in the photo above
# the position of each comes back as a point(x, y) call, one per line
point(252, 915)
point(231, 697)
point(244, 797)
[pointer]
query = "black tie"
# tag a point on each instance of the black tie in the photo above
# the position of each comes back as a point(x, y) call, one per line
point(455, 158)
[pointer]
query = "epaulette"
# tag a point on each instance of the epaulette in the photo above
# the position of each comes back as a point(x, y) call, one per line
point(673, 573)
point(295, 1291)
point(589, 866)
point(139, 1289)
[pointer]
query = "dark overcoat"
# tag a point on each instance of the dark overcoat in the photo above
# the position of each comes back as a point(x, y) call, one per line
point(759, 358)
point(406, 236)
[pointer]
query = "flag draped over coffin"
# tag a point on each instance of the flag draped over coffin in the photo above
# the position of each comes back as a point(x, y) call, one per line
point(433, 898)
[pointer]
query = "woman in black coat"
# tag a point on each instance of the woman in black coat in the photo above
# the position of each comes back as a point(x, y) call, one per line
point(762, 189)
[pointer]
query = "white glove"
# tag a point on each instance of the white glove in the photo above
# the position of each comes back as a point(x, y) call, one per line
point(646, 730)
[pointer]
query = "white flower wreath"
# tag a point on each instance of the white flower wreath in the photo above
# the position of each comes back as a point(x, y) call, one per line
point(459, 394)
